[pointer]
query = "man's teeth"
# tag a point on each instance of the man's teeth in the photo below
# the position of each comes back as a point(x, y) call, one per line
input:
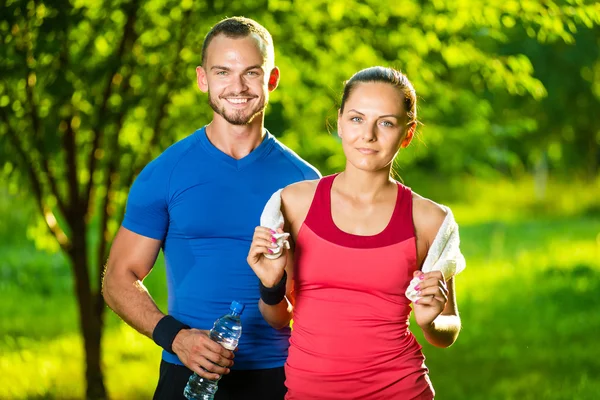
point(238, 101)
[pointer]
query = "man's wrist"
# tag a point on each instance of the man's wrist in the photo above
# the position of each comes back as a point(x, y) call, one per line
point(165, 332)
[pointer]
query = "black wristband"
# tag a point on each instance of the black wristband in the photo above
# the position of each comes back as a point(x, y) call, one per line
point(273, 295)
point(165, 331)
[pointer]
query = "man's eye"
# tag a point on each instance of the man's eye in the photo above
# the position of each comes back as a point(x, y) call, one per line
point(222, 73)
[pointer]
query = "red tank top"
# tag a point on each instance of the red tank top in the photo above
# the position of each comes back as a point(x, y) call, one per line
point(350, 338)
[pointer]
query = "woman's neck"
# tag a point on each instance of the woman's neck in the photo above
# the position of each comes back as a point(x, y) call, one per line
point(364, 185)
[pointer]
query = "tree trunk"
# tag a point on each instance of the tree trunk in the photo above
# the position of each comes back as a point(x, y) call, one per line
point(593, 158)
point(540, 176)
point(90, 315)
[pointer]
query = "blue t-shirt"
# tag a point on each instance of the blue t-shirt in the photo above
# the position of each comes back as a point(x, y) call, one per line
point(204, 206)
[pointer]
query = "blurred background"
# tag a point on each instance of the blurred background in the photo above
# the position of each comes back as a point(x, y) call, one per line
point(509, 101)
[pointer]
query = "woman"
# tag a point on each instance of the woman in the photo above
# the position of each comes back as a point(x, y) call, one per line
point(359, 237)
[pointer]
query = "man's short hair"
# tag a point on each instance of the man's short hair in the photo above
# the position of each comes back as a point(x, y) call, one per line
point(240, 27)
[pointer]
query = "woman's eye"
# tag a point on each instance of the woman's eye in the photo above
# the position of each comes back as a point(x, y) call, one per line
point(387, 124)
point(356, 119)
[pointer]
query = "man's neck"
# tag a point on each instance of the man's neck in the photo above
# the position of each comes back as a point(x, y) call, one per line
point(237, 141)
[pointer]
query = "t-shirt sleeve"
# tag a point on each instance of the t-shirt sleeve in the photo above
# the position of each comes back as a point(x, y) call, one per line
point(312, 173)
point(147, 210)
point(309, 172)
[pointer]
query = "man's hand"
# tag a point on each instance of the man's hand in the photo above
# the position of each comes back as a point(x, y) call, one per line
point(197, 350)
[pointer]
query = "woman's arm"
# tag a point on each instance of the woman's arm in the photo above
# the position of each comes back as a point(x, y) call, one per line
point(436, 312)
point(271, 273)
point(280, 315)
point(443, 330)
point(295, 202)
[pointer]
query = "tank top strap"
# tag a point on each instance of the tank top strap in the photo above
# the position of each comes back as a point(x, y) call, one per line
point(403, 215)
point(319, 213)
point(320, 220)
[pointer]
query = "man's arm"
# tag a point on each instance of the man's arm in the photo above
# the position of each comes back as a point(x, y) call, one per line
point(131, 259)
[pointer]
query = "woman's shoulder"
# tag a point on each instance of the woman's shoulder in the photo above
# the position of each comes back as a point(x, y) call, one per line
point(428, 216)
point(299, 193)
point(297, 198)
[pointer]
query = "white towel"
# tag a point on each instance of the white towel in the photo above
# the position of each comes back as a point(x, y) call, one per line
point(444, 254)
point(272, 218)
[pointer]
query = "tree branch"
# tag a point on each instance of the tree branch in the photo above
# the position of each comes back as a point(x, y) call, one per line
point(93, 34)
point(128, 35)
point(36, 186)
point(71, 151)
point(164, 101)
point(110, 180)
point(106, 213)
point(38, 132)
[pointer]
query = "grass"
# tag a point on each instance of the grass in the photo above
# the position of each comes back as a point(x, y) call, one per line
point(528, 301)
point(527, 304)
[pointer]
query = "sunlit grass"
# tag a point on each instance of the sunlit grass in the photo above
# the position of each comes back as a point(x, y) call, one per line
point(527, 302)
point(475, 201)
point(131, 363)
point(55, 368)
point(47, 369)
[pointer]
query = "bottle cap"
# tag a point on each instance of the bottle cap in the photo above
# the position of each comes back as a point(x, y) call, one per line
point(236, 307)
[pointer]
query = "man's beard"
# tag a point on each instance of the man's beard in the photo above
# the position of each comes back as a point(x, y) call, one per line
point(237, 117)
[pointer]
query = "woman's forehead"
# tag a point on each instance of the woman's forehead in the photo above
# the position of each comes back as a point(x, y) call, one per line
point(382, 97)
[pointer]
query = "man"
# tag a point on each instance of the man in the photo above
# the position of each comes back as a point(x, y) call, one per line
point(199, 201)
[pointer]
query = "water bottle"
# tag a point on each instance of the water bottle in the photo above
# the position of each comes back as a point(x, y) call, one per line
point(226, 331)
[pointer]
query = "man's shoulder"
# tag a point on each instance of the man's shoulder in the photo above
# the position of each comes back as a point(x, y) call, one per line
point(308, 171)
point(161, 168)
point(175, 153)
point(179, 149)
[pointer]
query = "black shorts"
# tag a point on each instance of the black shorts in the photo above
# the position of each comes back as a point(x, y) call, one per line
point(257, 384)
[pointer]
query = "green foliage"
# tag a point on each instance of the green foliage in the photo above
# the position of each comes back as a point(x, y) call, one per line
point(564, 129)
point(122, 78)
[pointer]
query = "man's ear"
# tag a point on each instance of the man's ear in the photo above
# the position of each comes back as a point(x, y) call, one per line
point(409, 135)
point(273, 79)
point(201, 79)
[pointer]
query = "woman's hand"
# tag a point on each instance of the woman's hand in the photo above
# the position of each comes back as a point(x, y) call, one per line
point(433, 297)
point(268, 271)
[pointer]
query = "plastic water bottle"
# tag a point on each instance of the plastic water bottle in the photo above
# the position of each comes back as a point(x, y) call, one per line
point(226, 331)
